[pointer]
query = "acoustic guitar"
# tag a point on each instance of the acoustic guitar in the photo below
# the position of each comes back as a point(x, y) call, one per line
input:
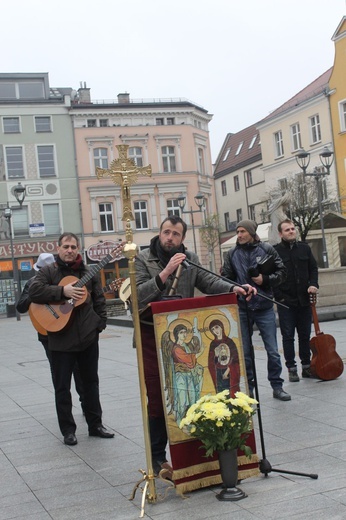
point(325, 364)
point(54, 317)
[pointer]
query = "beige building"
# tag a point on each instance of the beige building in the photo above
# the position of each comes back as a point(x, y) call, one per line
point(172, 136)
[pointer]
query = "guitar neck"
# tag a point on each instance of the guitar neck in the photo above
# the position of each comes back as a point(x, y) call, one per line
point(315, 320)
point(93, 270)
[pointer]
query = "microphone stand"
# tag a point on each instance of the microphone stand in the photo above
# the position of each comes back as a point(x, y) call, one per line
point(264, 465)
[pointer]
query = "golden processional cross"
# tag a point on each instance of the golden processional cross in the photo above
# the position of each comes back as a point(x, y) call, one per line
point(124, 172)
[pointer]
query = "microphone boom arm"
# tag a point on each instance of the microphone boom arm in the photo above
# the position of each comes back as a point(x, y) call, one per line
point(232, 282)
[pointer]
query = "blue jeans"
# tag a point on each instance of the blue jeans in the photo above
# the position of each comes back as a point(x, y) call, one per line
point(265, 321)
point(291, 319)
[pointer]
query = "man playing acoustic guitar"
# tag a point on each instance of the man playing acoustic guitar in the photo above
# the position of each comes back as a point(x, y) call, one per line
point(78, 340)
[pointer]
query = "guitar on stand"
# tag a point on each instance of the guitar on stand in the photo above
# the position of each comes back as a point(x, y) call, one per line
point(54, 317)
point(325, 364)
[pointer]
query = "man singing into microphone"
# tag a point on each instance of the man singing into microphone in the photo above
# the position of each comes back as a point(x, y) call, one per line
point(155, 273)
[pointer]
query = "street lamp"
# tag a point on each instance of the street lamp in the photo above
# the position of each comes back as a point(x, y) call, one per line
point(19, 192)
point(326, 158)
point(200, 200)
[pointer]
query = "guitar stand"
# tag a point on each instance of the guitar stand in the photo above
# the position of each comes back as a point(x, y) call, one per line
point(264, 465)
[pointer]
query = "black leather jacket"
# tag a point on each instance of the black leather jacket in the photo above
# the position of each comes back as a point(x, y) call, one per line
point(302, 271)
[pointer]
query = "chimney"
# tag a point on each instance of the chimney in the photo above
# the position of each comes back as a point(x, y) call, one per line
point(124, 99)
point(84, 93)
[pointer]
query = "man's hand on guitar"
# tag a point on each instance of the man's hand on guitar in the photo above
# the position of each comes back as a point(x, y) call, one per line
point(70, 291)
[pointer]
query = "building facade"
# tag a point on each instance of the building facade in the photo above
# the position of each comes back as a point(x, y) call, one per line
point(170, 135)
point(37, 150)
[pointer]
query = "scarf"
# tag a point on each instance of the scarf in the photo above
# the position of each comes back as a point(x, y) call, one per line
point(164, 256)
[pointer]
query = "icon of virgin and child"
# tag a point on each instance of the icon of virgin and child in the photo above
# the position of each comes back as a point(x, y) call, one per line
point(198, 360)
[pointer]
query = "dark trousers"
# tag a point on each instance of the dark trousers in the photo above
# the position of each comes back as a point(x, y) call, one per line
point(76, 374)
point(63, 364)
point(292, 319)
point(157, 424)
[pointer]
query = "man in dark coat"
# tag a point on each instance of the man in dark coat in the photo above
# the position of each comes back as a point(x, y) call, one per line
point(242, 264)
point(23, 305)
point(295, 292)
point(78, 342)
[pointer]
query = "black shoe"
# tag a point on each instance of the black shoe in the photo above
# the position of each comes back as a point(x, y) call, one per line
point(70, 439)
point(279, 393)
point(293, 375)
point(101, 431)
point(306, 372)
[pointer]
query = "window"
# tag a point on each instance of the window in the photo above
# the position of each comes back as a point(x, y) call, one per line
point(160, 121)
point(226, 216)
point(43, 124)
point(252, 212)
point(223, 188)
point(296, 140)
point(173, 208)
point(279, 145)
point(51, 219)
point(239, 215)
point(106, 217)
point(253, 140)
point(240, 146)
point(14, 162)
point(11, 125)
point(103, 123)
point(135, 153)
point(168, 159)
point(201, 168)
point(20, 222)
point(170, 120)
point(315, 128)
point(46, 163)
point(226, 154)
point(236, 183)
point(343, 116)
point(91, 123)
point(30, 90)
point(283, 185)
point(248, 176)
point(141, 216)
point(324, 191)
point(100, 157)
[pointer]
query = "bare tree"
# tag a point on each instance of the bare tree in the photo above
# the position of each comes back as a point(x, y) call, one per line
point(210, 235)
point(303, 207)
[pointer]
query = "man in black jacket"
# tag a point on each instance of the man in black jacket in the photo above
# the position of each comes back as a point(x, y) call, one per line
point(242, 265)
point(301, 282)
point(78, 342)
point(23, 306)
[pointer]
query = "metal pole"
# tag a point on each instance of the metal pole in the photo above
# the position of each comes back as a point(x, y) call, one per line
point(319, 200)
point(14, 270)
point(193, 230)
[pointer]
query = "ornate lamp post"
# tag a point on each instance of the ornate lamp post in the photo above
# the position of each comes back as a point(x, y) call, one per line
point(19, 192)
point(200, 200)
point(326, 158)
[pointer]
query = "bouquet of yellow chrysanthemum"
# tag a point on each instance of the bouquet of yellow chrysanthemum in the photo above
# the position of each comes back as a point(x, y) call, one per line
point(221, 422)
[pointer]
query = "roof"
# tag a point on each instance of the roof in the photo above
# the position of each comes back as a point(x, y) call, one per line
point(239, 150)
point(317, 87)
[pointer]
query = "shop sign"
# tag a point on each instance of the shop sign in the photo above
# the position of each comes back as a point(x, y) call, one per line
point(28, 248)
point(96, 252)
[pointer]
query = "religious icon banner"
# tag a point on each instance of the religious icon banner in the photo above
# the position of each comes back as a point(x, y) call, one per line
point(199, 350)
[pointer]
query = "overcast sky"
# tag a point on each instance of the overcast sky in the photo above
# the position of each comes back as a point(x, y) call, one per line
point(239, 59)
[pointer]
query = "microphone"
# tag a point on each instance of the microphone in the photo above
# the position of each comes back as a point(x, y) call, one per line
point(184, 263)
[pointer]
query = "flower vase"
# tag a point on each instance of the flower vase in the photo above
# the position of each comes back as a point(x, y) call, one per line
point(229, 474)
